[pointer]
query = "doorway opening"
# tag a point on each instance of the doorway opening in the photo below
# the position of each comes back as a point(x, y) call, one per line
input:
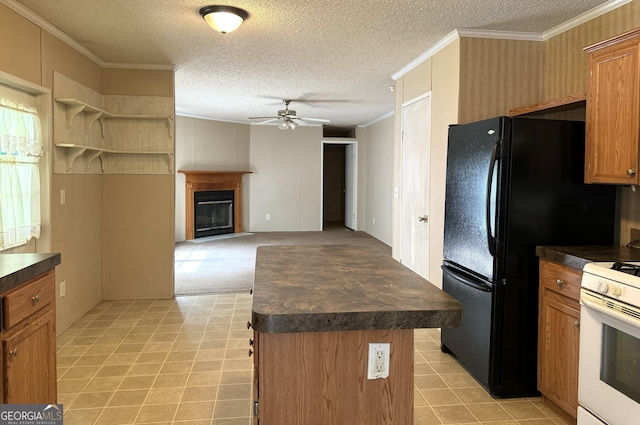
point(339, 184)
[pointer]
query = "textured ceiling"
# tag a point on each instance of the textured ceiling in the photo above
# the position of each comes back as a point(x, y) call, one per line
point(338, 55)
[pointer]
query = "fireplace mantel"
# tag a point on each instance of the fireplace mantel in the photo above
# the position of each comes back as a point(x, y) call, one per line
point(197, 181)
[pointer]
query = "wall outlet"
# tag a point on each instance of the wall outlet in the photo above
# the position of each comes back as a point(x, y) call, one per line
point(63, 289)
point(63, 197)
point(378, 366)
point(268, 217)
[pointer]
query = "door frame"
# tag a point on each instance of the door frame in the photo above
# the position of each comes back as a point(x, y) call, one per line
point(355, 177)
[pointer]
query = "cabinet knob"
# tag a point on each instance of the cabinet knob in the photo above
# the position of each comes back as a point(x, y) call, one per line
point(251, 291)
point(14, 352)
point(248, 325)
point(250, 352)
point(36, 298)
point(631, 172)
point(576, 323)
point(423, 219)
point(251, 342)
point(559, 282)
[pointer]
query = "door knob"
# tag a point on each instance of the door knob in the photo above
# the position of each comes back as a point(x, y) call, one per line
point(424, 219)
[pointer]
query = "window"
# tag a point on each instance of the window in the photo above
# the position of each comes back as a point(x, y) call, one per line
point(20, 151)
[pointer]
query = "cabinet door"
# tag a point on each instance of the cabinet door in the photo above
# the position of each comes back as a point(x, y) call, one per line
point(30, 361)
point(613, 115)
point(256, 377)
point(558, 350)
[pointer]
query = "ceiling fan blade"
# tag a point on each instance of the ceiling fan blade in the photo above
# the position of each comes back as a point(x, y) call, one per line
point(268, 121)
point(312, 119)
point(262, 118)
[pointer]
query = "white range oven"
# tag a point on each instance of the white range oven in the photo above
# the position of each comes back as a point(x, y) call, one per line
point(609, 371)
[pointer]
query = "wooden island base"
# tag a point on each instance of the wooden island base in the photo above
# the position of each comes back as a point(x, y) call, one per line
point(321, 378)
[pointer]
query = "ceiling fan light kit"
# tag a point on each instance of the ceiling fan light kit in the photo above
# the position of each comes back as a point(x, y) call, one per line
point(224, 18)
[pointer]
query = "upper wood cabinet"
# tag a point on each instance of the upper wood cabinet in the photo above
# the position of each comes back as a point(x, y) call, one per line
point(613, 110)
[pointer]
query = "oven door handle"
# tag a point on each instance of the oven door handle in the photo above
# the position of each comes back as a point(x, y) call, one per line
point(594, 302)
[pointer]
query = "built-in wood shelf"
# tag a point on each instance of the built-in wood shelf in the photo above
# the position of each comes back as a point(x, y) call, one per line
point(573, 101)
point(93, 152)
point(201, 181)
point(93, 113)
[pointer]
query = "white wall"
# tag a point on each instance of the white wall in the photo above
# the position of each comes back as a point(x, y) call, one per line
point(285, 182)
point(376, 161)
point(206, 145)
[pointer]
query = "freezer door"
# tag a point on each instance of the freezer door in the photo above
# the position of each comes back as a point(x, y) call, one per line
point(476, 172)
point(471, 341)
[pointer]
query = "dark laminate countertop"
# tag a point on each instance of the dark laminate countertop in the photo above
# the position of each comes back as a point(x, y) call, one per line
point(577, 256)
point(16, 269)
point(343, 287)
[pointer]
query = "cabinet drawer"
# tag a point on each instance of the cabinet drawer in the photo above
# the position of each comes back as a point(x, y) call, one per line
point(22, 302)
point(560, 279)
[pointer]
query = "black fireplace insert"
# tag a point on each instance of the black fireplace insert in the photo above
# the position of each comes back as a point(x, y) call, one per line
point(213, 213)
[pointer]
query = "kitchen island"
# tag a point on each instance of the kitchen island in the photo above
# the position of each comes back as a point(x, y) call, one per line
point(315, 311)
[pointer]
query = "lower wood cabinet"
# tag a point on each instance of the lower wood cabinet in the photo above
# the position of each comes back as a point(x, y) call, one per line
point(559, 338)
point(29, 342)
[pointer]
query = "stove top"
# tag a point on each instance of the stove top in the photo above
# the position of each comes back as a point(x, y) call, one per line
point(629, 268)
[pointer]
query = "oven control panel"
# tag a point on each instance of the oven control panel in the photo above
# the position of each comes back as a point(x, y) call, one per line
point(610, 286)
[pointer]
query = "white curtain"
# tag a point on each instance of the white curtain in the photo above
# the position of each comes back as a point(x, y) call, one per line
point(20, 151)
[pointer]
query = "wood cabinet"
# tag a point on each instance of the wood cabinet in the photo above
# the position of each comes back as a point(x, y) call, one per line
point(321, 378)
point(613, 110)
point(559, 338)
point(29, 343)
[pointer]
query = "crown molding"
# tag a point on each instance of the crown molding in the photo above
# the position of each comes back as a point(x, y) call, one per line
point(157, 67)
point(375, 120)
point(508, 35)
point(501, 35)
point(56, 32)
point(586, 16)
point(45, 25)
point(444, 42)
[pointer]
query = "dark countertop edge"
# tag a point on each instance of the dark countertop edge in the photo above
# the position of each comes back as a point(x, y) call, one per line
point(355, 321)
point(576, 257)
point(25, 267)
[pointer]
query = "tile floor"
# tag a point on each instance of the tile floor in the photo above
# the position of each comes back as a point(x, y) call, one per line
point(185, 362)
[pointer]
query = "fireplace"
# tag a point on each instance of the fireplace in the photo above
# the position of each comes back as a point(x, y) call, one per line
point(213, 213)
point(213, 202)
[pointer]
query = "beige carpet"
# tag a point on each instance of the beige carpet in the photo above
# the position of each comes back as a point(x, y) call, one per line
point(225, 264)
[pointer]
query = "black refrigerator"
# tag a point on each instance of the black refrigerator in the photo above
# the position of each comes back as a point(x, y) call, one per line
point(512, 184)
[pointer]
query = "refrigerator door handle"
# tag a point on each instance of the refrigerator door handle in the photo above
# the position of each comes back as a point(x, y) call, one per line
point(491, 240)
point(466, 280)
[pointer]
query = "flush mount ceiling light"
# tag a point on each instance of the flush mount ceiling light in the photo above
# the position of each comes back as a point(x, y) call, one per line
point(223, 18)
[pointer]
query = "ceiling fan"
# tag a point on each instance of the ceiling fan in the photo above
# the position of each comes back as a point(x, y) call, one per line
point(287, 118)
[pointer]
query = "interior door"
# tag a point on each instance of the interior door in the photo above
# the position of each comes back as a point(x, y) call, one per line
point(414, 202)
point(350, 186)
